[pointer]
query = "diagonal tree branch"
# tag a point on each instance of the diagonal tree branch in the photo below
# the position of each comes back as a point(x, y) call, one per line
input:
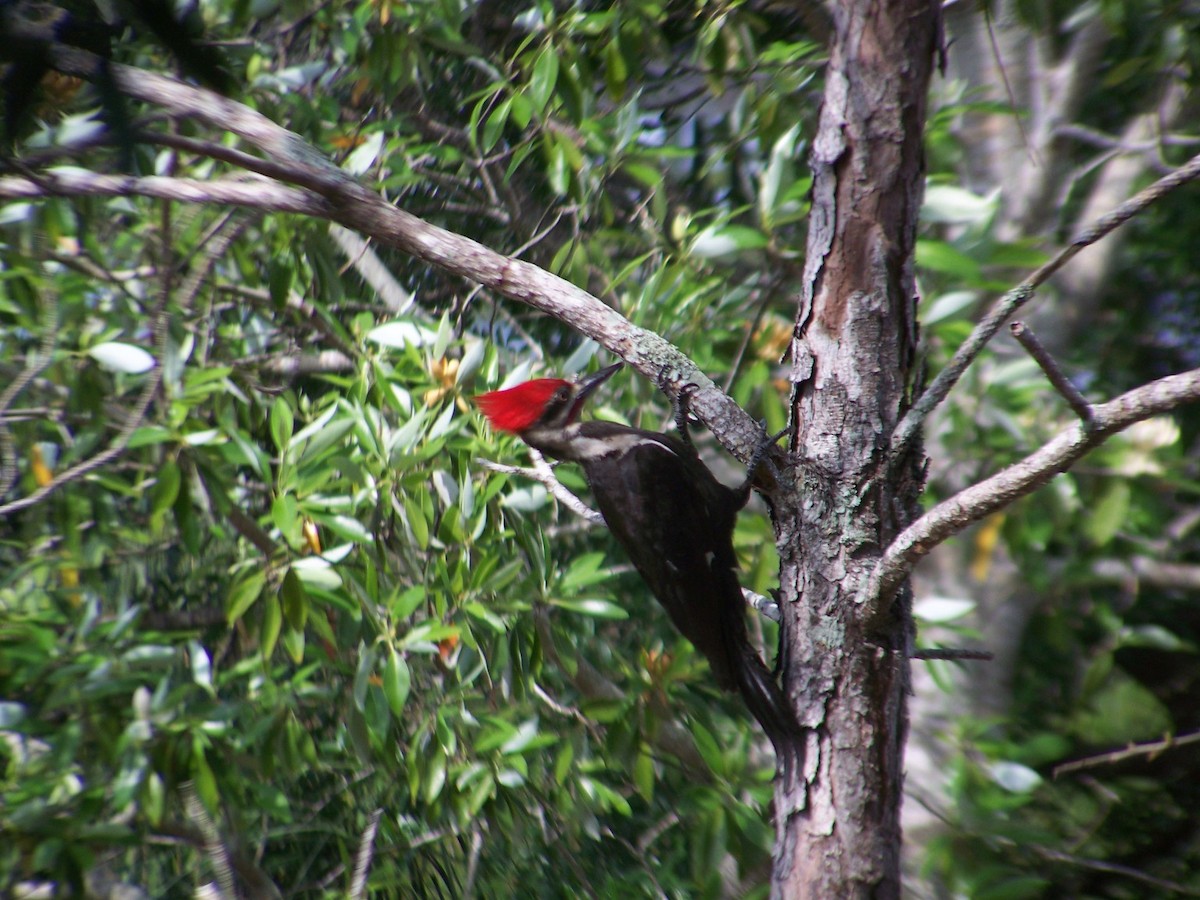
point(972, 504)
point(263, 195)
point(1007, 305)
point(353, 205)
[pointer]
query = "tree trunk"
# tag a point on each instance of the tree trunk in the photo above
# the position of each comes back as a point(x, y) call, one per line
point(852, 367)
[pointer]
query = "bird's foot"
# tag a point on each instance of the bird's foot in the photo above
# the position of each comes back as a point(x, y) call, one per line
point(683, 418)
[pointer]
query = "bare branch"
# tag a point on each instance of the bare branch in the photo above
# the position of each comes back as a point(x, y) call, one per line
point(544, 475)
point(258, 194)
point(473, 862)
point(1143, 569)
point(1172, 887)
point(764, 606)
point(295, 365)
point(1150, 750)
point(354, 206)
point(1007, 305)
point(116, 448)
point(953, 654)
point(362, 859)
point(372, 269)
point(672, 737)
point(1025, 336)
point(218, 853)
point(972, 504)
point(34, 363)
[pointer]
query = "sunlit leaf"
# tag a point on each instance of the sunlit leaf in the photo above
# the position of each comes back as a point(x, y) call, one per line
point(119, 357)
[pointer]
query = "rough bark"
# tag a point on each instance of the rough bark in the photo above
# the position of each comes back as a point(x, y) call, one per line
point(852, 357)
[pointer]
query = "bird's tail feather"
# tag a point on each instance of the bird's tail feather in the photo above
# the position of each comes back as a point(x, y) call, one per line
point(767, 703)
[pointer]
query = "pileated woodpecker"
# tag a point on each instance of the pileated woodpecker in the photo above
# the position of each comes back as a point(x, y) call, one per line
point(673, 518)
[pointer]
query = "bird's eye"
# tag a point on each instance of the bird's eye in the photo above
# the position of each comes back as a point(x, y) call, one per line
point(562, 394)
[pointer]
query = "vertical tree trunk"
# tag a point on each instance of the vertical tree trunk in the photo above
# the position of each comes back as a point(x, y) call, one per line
point(852, 358)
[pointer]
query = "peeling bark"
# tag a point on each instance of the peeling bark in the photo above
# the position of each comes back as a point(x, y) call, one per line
point(853, 352)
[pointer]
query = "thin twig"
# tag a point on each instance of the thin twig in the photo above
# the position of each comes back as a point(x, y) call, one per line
point(332, 193)
point(261, 195)
point(671, 737)
point(544, 475)
point(34, 364)
point(1027, 339)
point(468, 890)
point(362, 859)
point(218, 854)
point(1097, 865)
point(117, 447)
point(765, 606)
point(1150, 750)
point(567, 712)
point(952, 654)
point(973, 503)
point(1007, 305)
point(1008, 88)
point(751, 326)
point(1149, 571)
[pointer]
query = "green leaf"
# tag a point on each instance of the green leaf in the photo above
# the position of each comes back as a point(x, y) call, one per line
point(562, 762)
point(602, 609)
point(643, 774)
point(202, 776)
point(493, 128)
point(284, 515)
point(201, 665)
point(604, 796)
point(293, 643)
point(405, 602)
point(523, 737)
point(616, 72)
point(11, 714)
point(271, 624)
point(1120, 712)
point(167, 482)
point(435, 777)
point(950, 204)
point(709, 749)
point(723, 240)
point(311, 448)
point(362, 676)
point(282, 423)
point(544, 77)
point(430, 633)
point(558, 173)
point(939, 256)
point(153, 798)
point(1109, 514)
point(584, 571)
point(479, 611)
point(295, 600)
point(949, 306)
point(245, 591)
point(396, 682)
point(417, 522)
point(317, 572)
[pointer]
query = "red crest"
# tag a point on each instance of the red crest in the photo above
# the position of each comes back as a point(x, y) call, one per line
point(519, 407)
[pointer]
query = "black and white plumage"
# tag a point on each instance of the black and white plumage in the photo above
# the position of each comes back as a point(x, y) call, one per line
point(674, 520)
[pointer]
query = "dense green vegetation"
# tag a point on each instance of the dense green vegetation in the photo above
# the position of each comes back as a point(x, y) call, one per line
point(298, 596)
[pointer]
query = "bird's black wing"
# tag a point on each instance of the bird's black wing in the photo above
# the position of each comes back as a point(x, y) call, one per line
point(675, 522)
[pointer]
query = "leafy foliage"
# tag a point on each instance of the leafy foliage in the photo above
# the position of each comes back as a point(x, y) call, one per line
point(298, 592)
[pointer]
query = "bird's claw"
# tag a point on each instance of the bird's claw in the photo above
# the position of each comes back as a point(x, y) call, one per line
point(764, 447)
point(682, 417)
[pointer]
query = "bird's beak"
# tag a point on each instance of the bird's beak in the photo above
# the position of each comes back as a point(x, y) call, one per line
point(591, 382)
